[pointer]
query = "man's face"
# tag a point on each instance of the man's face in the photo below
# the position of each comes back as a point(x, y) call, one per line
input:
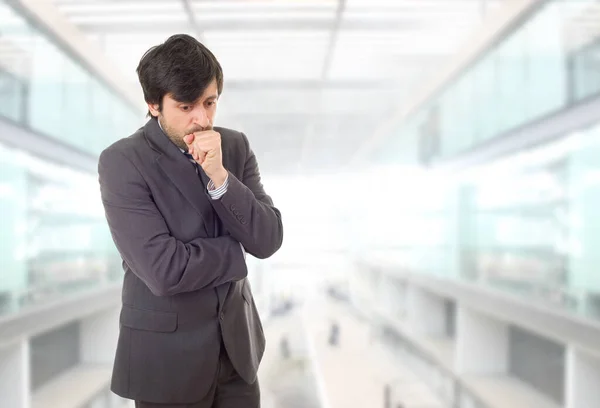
point(178, 119)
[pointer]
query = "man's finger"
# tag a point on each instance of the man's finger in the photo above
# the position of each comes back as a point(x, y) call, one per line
point(189, 139)
point(206, 134)
point(205, 145)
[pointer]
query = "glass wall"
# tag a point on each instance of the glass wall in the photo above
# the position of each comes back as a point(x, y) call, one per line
point(46, 90)
point(527, 224)
point(549, 62)
point(530, 223)
point(54, 238)
point(12, 95)
point(586, 70)
point(515, 233)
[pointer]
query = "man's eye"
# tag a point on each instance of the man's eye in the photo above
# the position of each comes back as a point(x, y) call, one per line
point(210, 103)
point(185, 108)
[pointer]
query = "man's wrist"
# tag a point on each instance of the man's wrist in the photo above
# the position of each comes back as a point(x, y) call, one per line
point(219, 179)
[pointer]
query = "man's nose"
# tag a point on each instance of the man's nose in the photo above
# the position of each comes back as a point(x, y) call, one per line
point(201, 117)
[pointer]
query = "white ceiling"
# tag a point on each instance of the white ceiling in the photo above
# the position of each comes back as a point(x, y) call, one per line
point(305, 79)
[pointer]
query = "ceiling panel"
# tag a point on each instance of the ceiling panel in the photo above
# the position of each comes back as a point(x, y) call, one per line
point(305, 78)
point(269, 55)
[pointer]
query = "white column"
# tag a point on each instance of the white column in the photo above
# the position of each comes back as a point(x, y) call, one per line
point(481, 343)
point(15, 389)
point(98, 337)
point(426, 312)
point(582, 379)
point(393, 297)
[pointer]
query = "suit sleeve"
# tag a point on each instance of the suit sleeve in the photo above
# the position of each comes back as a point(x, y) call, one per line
point(248, 212)
point(165, 264)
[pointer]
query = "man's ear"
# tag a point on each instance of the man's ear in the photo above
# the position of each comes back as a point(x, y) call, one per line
point(154, 109)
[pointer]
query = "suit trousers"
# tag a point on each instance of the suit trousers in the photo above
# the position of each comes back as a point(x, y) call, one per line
point(228, 391)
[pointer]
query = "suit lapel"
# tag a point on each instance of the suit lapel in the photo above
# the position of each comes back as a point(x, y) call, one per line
point(182, 174)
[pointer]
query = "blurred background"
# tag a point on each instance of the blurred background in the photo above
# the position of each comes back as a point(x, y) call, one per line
point(436, 162)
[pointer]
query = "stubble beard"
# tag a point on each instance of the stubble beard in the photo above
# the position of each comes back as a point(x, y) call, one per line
point(177, 138)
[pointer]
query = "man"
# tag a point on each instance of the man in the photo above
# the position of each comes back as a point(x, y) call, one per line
point(184, 202)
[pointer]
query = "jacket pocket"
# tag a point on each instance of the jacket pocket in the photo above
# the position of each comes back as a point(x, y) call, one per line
point(150, 320)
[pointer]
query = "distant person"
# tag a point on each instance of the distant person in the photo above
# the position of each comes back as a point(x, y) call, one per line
point(284, 347)
point(184, 202)
point(334, 334)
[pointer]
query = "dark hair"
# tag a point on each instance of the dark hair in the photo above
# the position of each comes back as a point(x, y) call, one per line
point(181, 66)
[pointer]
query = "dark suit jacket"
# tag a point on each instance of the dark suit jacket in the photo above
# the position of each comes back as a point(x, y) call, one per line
point(185, 283)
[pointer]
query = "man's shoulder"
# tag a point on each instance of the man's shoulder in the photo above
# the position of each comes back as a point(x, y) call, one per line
point(230, 133)
point(232, 139)
point(126, 145)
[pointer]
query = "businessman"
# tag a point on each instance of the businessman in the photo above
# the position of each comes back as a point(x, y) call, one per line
point(185, 203)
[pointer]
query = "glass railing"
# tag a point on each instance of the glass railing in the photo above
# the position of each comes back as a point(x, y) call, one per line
point(12, 95)
point(527, 224)
point(43, 88)
point(53, 236)
point(448, 386)
point(530, 225)
point(548, 62)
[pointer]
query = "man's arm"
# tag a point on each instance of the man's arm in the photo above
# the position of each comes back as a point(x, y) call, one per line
point(248, 212)
point(166, 265)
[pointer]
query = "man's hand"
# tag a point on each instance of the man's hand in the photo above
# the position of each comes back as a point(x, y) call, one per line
point(205, 148)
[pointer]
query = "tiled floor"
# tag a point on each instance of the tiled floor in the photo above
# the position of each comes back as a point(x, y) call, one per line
point(357, 370)
point(287, 382)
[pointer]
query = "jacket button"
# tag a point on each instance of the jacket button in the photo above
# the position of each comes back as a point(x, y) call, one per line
point(222, 316)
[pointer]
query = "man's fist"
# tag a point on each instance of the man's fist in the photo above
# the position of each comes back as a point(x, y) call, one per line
point(205, 148)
